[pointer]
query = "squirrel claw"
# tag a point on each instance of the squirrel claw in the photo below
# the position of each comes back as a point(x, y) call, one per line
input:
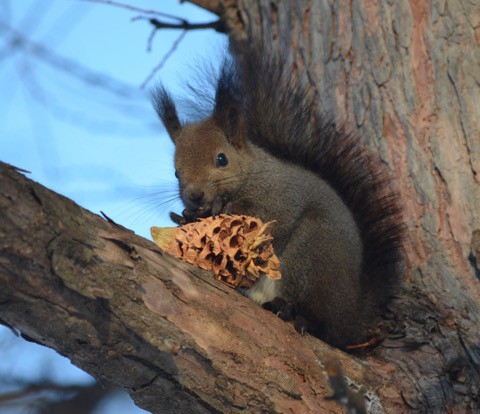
point(193, 215)
point(217, 205)
point(200, 213)
point(280, 307)
point(188, 216)
point(213, 208)
point(228, 208)
point(286, 312)
point(177, 219)
point(300, 325)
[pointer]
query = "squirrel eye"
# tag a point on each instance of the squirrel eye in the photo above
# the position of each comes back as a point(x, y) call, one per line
point(222, 160)
point(176, 174)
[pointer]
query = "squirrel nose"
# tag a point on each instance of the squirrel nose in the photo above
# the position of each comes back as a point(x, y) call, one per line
point(195, 195)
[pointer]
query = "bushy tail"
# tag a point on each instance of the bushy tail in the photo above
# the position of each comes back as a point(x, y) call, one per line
point(281, 119)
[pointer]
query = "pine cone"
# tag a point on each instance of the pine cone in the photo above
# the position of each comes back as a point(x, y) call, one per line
point(237, 248)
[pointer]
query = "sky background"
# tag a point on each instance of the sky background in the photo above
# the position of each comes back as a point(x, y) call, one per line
point(73, 114)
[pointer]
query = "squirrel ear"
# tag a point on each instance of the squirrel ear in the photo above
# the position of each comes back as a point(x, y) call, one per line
point(166, 110)
point(230, 120)
point(227, 112)
point(237, 134)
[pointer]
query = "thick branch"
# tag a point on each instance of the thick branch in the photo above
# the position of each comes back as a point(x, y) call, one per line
point(175, 338)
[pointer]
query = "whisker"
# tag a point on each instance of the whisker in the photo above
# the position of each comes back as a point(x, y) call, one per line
point(151, 206)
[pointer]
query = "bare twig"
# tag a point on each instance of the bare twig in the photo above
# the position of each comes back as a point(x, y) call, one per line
point(183, 25)
point(150, 39)
point(164, 60)
point(217, 25)
point(69, 66)
point(21, 170)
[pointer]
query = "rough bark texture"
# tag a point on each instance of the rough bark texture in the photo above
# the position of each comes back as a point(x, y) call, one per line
point(406, 75)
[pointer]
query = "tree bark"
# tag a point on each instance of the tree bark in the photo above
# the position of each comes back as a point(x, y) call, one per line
point(406, 76)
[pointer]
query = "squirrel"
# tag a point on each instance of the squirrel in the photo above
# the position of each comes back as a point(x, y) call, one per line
point(265, 151)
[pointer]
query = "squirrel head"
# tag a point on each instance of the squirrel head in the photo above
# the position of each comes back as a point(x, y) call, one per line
point(210, 156)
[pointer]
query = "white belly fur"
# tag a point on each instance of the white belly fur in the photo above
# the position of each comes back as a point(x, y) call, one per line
point(265, 290)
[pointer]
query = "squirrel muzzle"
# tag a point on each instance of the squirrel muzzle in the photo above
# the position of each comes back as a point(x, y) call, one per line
point(193, 196)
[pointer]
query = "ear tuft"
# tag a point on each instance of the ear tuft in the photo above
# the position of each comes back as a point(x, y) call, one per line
point(166, 110)
point(228, 107)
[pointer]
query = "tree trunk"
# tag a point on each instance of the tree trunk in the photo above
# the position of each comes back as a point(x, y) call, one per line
point(406, 76)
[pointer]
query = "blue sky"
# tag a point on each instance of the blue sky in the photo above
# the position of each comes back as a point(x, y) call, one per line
point(106, 152)
point(104, 149)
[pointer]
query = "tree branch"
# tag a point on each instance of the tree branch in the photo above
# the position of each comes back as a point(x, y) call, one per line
point(216, 25)
point(159, 66)
point(175, 338)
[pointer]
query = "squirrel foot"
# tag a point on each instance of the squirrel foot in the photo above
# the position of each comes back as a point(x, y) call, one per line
point(286, 312)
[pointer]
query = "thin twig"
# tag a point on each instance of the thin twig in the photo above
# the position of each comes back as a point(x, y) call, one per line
point(164, 60)
point(69, 66)
point(217, 25)
point(150, 39)
point(21, 170)
point(183, 24)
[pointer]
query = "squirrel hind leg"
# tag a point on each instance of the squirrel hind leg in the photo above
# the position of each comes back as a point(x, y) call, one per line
point(288, 312)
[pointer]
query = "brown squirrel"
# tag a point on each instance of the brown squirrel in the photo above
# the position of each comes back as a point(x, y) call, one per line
point(266, 152)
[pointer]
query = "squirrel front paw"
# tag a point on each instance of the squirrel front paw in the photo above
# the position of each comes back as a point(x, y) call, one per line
point(214, 208)
point(219, 206)
point(188, 216)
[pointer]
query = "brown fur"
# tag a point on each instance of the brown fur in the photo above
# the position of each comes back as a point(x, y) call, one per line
point(339, 227)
